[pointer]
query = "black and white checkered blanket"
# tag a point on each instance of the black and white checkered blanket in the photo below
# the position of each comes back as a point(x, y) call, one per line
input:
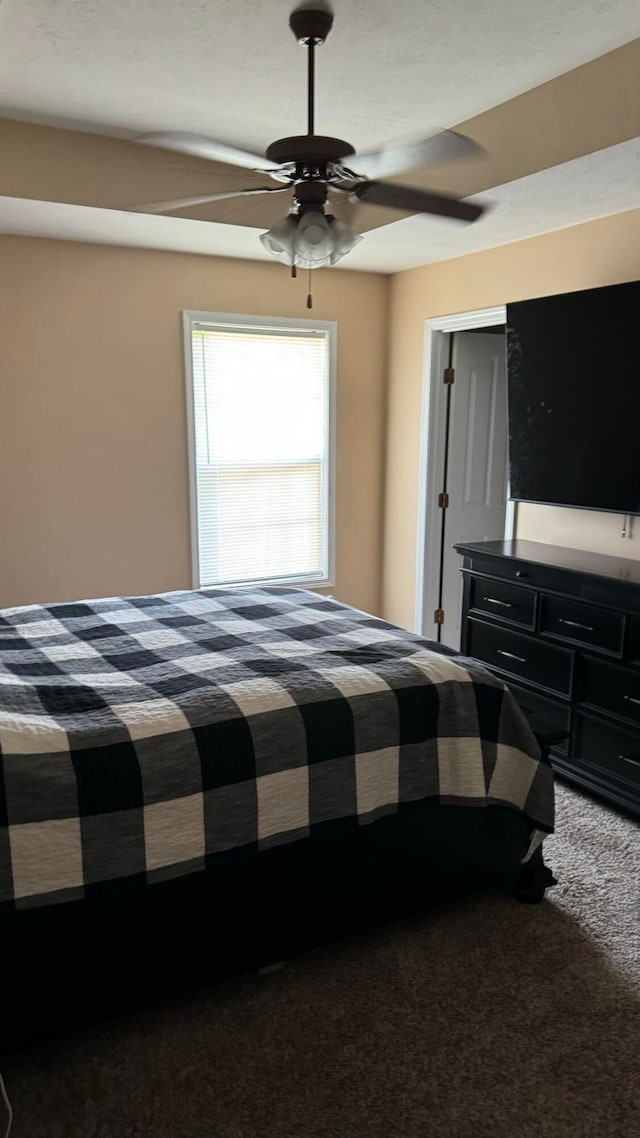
point(142, 738)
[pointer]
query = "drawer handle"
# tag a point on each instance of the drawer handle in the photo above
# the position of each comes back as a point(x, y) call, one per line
point(576, 624)
point(632, 699)
point(511, 656)
point(495, 601)
point(629, 759)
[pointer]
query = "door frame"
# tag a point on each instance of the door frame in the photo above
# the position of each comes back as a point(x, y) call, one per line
point(437, 334)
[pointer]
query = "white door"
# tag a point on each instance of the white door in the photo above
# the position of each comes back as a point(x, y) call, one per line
point(477, 462)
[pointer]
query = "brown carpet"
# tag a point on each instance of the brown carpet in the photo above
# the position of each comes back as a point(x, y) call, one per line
point(482, 1018)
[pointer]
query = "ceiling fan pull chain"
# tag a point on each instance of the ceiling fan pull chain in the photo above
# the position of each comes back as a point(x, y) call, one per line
point(294, 272)
point(309, 296)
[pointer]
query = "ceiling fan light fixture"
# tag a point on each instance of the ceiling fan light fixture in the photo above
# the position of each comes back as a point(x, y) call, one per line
point(311, 240)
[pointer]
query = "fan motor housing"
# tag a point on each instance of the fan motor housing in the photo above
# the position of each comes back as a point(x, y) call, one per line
point(310, 196)
point(310, 148)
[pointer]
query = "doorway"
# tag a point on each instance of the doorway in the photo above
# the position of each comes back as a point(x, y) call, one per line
point(463, 480)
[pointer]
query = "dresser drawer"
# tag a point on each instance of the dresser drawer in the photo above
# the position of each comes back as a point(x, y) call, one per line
point(536, 706)
point(617, 595)
point(503, 600)
point(521, 656)
point(609, 749)
point(582, 624)
point(527, 573)
point(610, 688)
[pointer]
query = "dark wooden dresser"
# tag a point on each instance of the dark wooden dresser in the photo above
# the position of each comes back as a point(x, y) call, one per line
point(562, 628)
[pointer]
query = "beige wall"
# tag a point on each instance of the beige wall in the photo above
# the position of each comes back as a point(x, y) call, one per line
point(585, 256)
point(93, 465)
point(93, 460)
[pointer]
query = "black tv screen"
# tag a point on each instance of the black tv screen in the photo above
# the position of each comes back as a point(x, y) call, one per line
point(573, 376)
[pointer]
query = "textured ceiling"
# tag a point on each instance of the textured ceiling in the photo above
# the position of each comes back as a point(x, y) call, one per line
point(233, 69)
point(516, 76)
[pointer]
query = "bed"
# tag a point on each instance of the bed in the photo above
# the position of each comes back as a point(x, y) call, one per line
point(198, 782)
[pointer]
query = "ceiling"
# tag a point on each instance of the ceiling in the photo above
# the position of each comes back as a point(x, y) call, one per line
point(551, 90)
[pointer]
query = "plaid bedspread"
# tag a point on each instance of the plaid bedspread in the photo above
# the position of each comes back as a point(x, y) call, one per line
point(143, 738)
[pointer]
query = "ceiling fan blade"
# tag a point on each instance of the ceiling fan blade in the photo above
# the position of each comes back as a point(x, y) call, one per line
point(416, 201)
point(201, 199)
point(204, 147)
point(395, 158)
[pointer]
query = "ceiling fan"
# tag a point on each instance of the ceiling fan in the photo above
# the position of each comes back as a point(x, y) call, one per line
point(313, 166)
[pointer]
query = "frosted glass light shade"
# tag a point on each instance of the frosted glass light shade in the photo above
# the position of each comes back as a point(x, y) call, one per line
point(310, 240)
point(279, 240)
point(345, 239)
point(314, 242)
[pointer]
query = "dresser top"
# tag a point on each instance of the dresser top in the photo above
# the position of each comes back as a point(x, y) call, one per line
point(575, 560)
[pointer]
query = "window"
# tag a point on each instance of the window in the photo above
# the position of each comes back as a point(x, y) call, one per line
point(260, 398)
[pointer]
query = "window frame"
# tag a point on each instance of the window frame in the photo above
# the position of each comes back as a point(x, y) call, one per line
point(330, 328)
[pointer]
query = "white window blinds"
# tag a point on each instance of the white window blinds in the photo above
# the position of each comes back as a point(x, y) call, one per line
point(260, 452)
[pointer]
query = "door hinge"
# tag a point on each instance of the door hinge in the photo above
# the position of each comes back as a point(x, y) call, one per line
point(443, 500)
point(438, 616)
point(449, 375)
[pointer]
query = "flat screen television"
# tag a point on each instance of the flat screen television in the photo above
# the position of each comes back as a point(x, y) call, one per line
point(573, 375)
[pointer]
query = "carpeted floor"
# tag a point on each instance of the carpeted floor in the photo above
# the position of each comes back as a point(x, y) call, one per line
point(482, 1018)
